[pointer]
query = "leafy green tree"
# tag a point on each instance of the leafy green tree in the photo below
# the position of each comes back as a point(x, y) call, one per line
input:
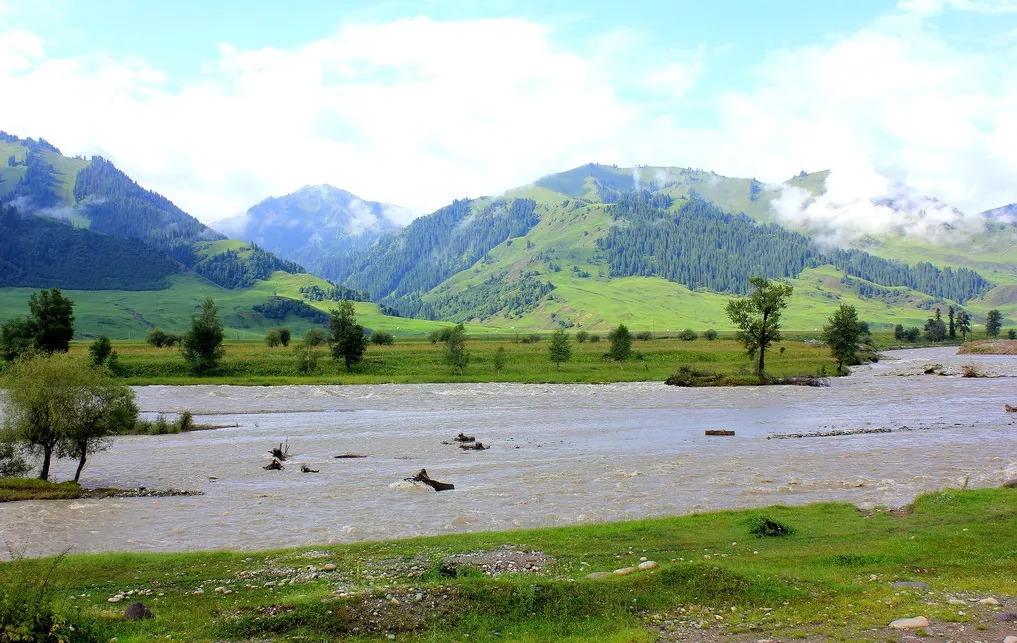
point(156, 337)
point(346, 336)
point(17, 338)
point(912, 334)
point(757, 317)
point(964, 324)
point(594, 338)
point(1011, 334)
point(710, 335)
point(102, 407)
point(100, 351)
point(499, 359)
point(644, 336)
point(315, 337)
point(582, 336)
point(284, 336)
point(456, 354)
point(272, 338)
point(202, 345)
point(844, 333)
point(621, 343)
point(52, 316)
point(935, 328)
point(688, 335)
point(12, 464)
point(993, 323)
point(381, 338)
point(560, 348)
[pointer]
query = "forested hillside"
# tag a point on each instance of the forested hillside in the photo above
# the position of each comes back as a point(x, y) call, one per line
point(41, 253)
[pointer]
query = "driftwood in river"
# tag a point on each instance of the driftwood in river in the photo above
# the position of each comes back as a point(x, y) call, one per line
point(434, 484)
point(347, 456)
point(306, 469)
point(719, 432)
point(274, 465)
point(1010, 409)
point(462, 437)
point(475, 446)
point(281, 452)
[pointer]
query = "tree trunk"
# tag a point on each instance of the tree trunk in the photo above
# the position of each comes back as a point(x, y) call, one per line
point(81, 465)
point(760, 369)
point(47, 455)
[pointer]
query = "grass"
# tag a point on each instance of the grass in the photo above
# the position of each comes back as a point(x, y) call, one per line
point(419, 361)
point(829, 577)
point(13, 489)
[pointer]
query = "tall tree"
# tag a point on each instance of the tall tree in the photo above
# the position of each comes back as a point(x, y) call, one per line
point(621, 343)
point(100, 408)
point(964, 324)
point(52, 315)
point(560, 349)
point(757, 317)
point(456, 354)
point(346, 336)
point(844, 333)
point(17, 338)
point(951, 327)
point(993, 323)
point(935, 329)
point(202, 345)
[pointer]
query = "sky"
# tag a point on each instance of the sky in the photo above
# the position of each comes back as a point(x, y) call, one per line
point(418, 103)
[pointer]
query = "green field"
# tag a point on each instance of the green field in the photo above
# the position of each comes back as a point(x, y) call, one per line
point(419, 361)
point(831, 578)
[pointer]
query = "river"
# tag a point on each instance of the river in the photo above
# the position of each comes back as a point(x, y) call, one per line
point(560, 454)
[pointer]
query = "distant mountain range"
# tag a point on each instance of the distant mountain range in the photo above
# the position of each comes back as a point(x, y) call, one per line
point(658, 248)
point(316, 226)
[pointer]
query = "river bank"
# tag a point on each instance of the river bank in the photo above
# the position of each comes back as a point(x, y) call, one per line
point(946, 563)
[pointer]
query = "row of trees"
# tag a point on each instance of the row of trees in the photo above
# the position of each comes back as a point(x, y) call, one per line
point(957, 322)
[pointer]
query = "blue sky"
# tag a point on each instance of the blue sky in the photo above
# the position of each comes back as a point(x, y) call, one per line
point(219, 105)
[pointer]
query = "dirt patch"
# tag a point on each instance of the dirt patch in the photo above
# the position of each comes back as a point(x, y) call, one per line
point(497, 561)
point(990, 347)
point(398, 611)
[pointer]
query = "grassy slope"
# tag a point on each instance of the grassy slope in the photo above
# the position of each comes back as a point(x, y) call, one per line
point(831, 578)
point(130, 314)
point(600, 302)
point(420, 361)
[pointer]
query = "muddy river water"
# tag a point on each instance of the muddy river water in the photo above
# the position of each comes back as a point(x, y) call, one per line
point(560, 454)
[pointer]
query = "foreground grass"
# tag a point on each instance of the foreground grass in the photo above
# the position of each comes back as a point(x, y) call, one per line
point(420, 361)
point(831, 577)
point(12, 489)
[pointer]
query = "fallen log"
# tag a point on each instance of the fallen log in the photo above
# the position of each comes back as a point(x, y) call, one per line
point(306, 469)
point(274, 465)
point(719, 432)
point(476, 446)
point(434, 484)
point(347, 456)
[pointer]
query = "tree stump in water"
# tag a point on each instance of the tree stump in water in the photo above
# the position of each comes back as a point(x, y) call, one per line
point(306, 469)
point(462, 437)
point(281, 452)
point(274, 465)
point(434, 484)
point(476, 446)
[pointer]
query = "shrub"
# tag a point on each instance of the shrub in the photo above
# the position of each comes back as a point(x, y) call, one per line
point(315, 337)
point(100, 351)
point(1011, 334)
point(440, 335)
point(27, 612)
point(710, 335)
point(688, 335)
point(156, 337)
point(767, 528)
point(582, 336)
point(621, 343)
point(382, 338)
point(499, 358)
point(687, 376)
point(307, 358)
point(644, 336)
point(594, 338)
point(284, 336)
point(272, 338)
point(186, 421)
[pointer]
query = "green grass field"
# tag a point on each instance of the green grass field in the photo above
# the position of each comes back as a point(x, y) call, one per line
point(831, 578)
point(418, 361)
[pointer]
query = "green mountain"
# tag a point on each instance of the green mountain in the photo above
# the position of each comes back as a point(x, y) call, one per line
point(663, 248)
point(132, 260)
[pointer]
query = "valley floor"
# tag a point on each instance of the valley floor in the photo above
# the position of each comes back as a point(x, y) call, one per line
point(841, 573)
point(419, 361)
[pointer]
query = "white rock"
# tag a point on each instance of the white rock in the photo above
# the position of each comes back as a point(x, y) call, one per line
point(988, 601)
point(648, 564)
point(956, 601)
point(624, 571)
point(910, 623)
point(1010, 639)
point(328, 567)
point(597, 575)
point(115, 598)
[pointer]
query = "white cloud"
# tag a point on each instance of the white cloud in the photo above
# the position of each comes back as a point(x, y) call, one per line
point(420, 111)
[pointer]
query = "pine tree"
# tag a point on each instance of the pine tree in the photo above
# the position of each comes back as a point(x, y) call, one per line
point(951, 326)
